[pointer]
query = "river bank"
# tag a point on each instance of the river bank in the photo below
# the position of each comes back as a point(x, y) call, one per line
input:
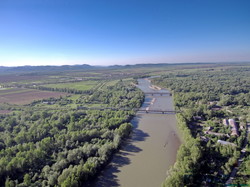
point(151, 150)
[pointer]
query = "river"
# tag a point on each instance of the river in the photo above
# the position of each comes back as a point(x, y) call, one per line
point(145, 158)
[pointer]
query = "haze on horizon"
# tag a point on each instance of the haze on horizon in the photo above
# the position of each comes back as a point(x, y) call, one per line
point(97, 32)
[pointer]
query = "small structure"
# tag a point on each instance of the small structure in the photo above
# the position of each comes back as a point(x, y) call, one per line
point(216, 133)
point(78, 79)
point(225, 143)
point(241, 126)
point(234, 126)
point(208, 128)
point(216, 108)
point(48, 102)
point(212, 103)
point(198, 118)
point(225, 122)
point(232, 122)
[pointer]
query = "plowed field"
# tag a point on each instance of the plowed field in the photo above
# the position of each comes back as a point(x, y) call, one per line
point(25, 96)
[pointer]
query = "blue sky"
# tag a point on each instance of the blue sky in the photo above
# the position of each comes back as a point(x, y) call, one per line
point(104, 32)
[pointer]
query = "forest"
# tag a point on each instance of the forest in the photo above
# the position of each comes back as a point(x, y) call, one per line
point(206, 97)
point(64, 147)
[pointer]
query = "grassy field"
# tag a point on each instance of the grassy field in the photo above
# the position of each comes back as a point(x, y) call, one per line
point(83, 85)
point(111, 83)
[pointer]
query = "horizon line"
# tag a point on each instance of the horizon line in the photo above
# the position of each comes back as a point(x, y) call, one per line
point(170, 63)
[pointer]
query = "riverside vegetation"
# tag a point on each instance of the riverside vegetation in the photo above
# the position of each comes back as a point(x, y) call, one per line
point(206, 97)
point(64, 147)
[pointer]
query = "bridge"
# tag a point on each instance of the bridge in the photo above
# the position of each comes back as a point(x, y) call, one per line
point(155, 111)
point(105, 108)
point(158, 93)
point(146, 110)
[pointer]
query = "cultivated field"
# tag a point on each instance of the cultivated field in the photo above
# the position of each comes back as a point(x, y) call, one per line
point(20, 78)
point(83, 85)
point(5, 111)
point(25, 96)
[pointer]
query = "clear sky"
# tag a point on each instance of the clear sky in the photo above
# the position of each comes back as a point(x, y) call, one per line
point(104, 32)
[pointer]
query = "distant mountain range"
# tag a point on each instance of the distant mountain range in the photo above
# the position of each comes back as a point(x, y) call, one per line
point(27, 69)
point(76, 67)
point(42, 69)
point(83, 67)
point(46, 68)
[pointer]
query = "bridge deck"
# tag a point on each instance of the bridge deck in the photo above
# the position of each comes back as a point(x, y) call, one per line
point(158, 93)
point(158, 111)
point(135, 109)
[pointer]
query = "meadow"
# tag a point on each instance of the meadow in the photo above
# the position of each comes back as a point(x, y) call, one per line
point(83, 85)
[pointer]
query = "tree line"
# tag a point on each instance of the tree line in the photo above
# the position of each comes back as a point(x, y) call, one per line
point(196, 94)
point(63, 148)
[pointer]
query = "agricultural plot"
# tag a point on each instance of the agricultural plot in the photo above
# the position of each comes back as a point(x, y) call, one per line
point(5, 111)
point(20, 78)
point(25, 96)
point(83, 85)
point(110, 83)
point(105, 84)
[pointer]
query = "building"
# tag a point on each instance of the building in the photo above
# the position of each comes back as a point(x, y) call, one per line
point(225, 122)
point(234, 126)
point(225, 143)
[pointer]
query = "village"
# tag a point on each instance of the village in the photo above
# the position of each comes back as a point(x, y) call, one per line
point(231, 132)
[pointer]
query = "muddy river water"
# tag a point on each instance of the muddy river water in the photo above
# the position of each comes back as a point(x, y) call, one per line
point(152, 148)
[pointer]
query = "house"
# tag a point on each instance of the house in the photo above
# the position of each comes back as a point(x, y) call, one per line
point(198, 118)
point(225, 143)
point(232, 122)
point(208, 128)
point(212, 102)
point(234, 126)
point(216, 133)
point(216, 108)
point(48, 102)
point(225, 122)
point(242, 124)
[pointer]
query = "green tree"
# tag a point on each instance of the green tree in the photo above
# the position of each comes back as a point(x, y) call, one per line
point(27, 179)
